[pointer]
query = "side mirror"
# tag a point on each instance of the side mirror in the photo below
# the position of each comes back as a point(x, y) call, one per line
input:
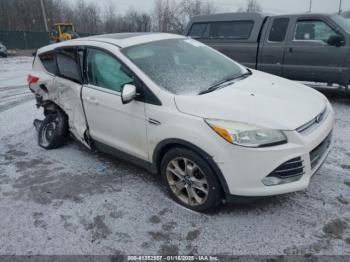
point(335, 40)
point(128, 93)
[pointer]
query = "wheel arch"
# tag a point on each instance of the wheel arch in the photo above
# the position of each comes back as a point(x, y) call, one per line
point(167, 144)
point(49, 105)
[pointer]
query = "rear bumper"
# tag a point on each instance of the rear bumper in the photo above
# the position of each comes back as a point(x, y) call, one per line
point(245, 168)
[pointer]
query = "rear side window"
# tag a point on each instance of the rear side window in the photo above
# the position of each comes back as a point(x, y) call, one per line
point(279, 30)
point(49, 62)
point(231, 30)
point(68, 64)
point(198, 30)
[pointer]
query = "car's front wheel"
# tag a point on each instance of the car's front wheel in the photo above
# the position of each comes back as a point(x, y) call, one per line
point(190, 180)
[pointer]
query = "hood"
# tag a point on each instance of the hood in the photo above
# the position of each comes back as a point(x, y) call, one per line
point(260, 99)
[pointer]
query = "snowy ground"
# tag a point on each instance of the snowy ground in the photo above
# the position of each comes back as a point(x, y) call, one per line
point(14, 71)
point(71, 201)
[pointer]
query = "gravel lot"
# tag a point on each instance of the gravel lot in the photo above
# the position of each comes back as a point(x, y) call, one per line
point(71, 201)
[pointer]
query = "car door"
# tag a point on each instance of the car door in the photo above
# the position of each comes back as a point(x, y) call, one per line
point(308, 55)
point(69, 84)
point(271, 55)
point(112, 123)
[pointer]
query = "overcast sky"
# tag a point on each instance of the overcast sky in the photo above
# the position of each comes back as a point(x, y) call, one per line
point(269, 6)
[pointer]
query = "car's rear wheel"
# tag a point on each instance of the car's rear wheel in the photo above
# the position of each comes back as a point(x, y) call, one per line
point(190, 180)
point(53, 131)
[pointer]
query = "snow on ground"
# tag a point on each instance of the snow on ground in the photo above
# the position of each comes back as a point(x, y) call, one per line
point(13, 78)
point(72, 201)
point(14, 70)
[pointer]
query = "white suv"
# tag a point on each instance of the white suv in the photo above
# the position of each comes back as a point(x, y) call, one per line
point(212, 128)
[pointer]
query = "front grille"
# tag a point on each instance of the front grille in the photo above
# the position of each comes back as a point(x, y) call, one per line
point(291, 168)
point(312, 123)
point(317, 153)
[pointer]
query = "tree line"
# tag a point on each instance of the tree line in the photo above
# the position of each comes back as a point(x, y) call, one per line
point(88, 17)
point(166, 16)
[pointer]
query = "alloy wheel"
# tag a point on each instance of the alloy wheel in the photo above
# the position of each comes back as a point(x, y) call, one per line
point(187, 181)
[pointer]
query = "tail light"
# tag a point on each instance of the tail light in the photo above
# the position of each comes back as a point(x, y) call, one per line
point(32, 79)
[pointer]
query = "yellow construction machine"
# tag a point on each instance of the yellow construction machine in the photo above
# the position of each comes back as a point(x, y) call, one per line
point(62, 32)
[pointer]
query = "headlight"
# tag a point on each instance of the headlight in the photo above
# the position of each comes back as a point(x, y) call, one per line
point(245, 134)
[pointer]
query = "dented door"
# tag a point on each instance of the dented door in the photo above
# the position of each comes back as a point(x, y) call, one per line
point(69, 85)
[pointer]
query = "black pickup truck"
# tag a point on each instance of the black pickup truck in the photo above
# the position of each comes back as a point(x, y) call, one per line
point(304, 47)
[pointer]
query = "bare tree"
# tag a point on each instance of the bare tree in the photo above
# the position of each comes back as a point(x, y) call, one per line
point(197, 7)
point(137, 21)
point(131, 21)
point(109, 18)
point(172, 16)
point(86, 17)
point(167, 15)
point(253, 6)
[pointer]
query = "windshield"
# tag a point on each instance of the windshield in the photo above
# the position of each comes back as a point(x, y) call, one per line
point(342, 22)
point(66, 28)
point(183, 66)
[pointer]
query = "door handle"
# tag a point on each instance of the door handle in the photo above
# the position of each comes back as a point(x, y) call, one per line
point(92, 100)
point(290, 50)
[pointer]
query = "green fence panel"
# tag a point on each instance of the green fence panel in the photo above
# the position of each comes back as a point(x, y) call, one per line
point(12, 39)
point(26, 39)
point(36, 40)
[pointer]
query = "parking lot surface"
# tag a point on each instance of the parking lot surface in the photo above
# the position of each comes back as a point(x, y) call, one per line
point(72, 201)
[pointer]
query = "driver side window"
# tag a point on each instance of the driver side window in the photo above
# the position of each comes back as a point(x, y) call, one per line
point(105, 71)
point(313, 30)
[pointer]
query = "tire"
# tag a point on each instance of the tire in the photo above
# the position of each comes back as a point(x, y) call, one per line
point(53, 131)
point(196, 187)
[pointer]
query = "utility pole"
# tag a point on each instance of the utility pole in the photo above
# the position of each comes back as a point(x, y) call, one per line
point(310, 7)
point(44, 15)
point(340, 7)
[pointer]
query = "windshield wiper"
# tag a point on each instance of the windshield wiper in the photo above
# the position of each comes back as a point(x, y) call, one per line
point(220, 83)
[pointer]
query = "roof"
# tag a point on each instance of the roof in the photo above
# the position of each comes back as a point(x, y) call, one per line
point(122, 35)
point(247, 16)
point(130, 39)
point(120, 40)
point(228, 17)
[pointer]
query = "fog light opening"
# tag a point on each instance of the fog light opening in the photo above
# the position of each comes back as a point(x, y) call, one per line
point(274, 181)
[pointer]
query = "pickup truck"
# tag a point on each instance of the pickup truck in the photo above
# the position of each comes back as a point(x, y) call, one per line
point(304, 47)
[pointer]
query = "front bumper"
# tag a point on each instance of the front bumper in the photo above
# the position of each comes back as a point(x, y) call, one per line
point(245, 168)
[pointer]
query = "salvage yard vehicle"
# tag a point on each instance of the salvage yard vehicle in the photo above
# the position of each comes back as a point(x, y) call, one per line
point(3, 50)
point(215, 130)
point(62, 32)
point(304, 47)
